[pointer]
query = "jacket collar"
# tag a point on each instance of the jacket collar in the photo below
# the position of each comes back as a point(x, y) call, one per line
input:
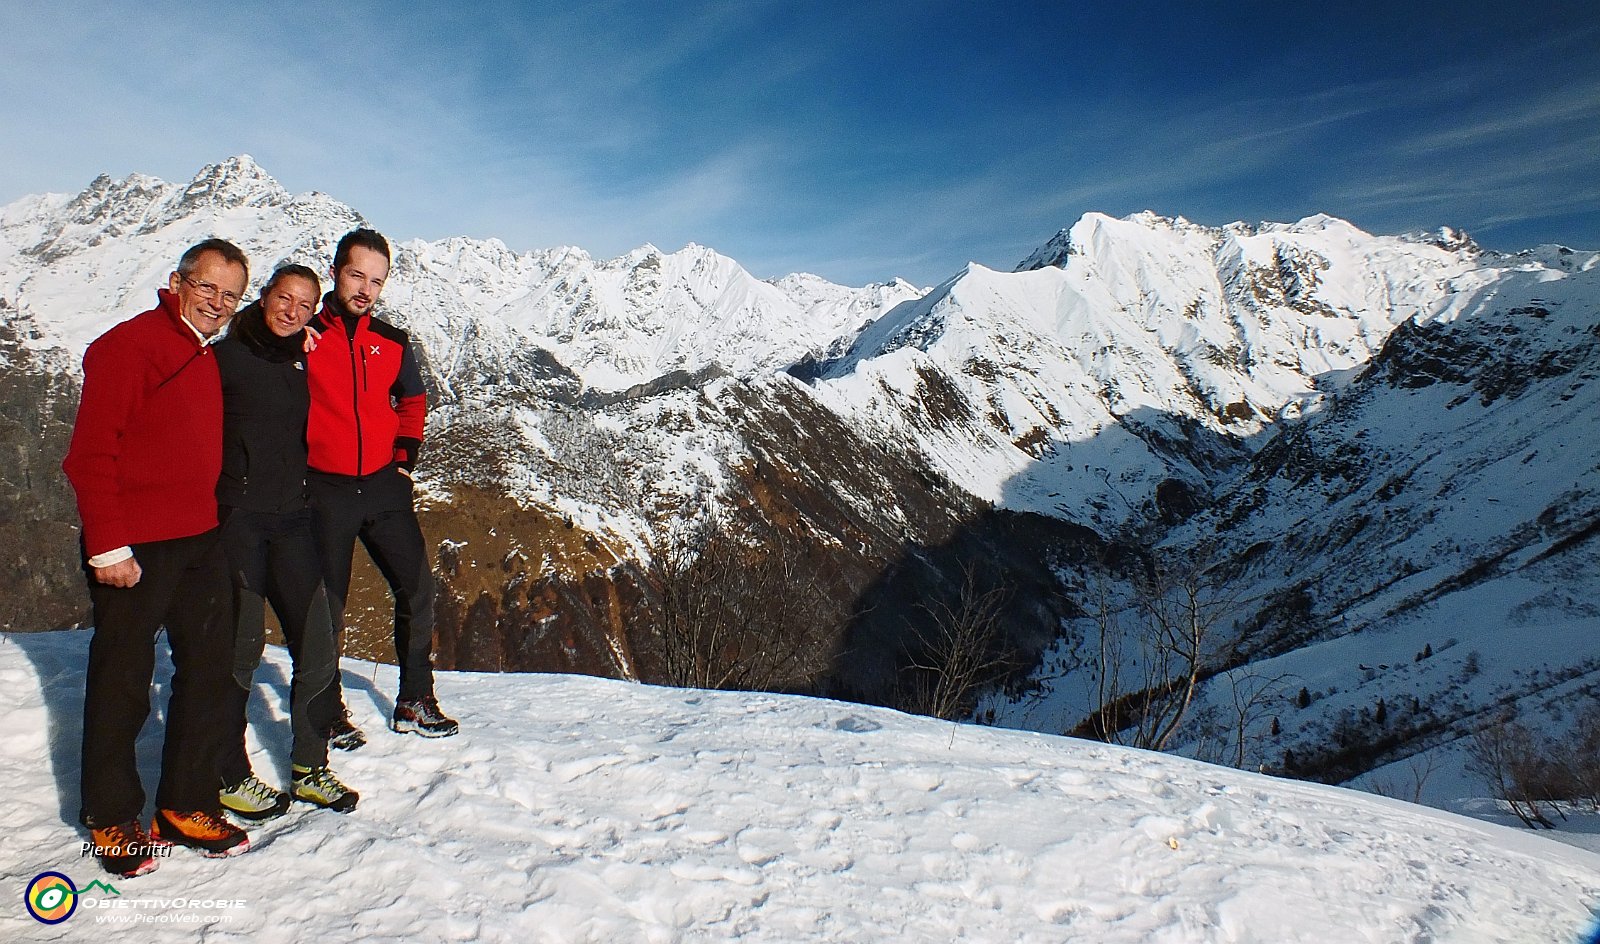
point(334, 311)
point(250, 324)
point(168, 302)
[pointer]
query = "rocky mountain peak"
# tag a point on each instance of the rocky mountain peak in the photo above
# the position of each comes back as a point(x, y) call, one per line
point(1447, 238)
point(235, 182)
point(646, 255)
point(1052, 253)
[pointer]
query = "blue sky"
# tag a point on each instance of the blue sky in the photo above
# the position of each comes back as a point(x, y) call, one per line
point(859, 140)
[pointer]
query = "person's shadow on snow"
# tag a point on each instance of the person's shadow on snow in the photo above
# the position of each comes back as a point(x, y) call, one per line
point(61, 659)
point(270, 716)
point(353, 681)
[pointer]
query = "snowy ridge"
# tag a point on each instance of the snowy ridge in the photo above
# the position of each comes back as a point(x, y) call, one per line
point(1154, 353)
point(624, 322)
point(72, 267)
point(84, 262)
point(575, 809)
point(1154, 349)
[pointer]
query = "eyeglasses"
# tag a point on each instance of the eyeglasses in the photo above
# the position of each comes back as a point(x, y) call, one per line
point(208, 291)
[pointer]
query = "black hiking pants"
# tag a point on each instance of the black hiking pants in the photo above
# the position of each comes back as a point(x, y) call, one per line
point(377, 509)
point(273, 558)
point(184, 587)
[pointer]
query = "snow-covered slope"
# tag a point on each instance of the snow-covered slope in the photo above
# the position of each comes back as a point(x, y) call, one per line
point(1445, 501)
point(1127, 353)
point(574, 809)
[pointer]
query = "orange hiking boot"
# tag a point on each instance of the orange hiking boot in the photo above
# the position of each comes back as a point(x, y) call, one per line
point(124, 849)
point(204, 830)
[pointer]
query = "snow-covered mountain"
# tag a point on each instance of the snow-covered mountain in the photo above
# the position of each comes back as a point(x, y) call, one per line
point(72, 266)
point(1362, 432)
point(1129, 353)
point(584, 810)
point(1151, 351)
point(1421, 538)
point(496, 327)
point(83, 262)
point(595, 401)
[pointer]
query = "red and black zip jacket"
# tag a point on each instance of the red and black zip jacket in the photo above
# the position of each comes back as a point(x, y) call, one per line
point(147, 444)
point(368, 406)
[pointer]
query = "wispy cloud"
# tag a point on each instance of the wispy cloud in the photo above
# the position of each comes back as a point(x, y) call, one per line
point(856, 141)
point(1553, 117)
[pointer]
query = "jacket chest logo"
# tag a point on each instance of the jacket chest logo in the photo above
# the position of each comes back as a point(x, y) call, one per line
point(375, 350)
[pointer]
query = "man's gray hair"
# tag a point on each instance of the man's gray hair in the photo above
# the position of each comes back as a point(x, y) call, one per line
point(191, 256)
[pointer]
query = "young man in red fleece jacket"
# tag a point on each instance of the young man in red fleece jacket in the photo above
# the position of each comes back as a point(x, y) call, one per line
point(363, 434)
point(145, 456)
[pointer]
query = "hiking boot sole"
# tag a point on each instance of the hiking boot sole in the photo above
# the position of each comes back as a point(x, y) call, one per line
point(227, 853)
point(411, 727)
point(344, 804)
point(259, 816)
point(199, 845)
point(143, 868)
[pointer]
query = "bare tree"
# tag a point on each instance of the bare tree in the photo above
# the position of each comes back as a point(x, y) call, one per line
point(1505, 754)
point(958, 651)
point(743, 608)
point(1581, 759)
point(1252, 699)
point(1155, 650)
point(1418, 769)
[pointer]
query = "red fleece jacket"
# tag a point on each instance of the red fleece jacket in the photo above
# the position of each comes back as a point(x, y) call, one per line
point(368, 405)
point(147, 445)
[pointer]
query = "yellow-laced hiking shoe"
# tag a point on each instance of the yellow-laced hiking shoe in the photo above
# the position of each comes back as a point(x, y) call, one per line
point(318, 785)
point(253, 800)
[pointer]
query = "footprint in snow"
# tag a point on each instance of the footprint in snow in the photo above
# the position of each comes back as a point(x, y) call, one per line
point(855, 724)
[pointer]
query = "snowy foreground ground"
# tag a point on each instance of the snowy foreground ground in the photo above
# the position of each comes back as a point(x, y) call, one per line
point(574, 809)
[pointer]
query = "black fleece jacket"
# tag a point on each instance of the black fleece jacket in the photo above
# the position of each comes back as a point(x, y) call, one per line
point(265, 401)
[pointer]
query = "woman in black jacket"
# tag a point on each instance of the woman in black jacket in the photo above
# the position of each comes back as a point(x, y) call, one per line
point(266, 532)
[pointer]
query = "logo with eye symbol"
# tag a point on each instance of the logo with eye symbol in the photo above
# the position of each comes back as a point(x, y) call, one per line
point(51, 898)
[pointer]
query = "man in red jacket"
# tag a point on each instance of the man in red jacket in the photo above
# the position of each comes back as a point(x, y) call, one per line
point(363, 434)
point(145, 456)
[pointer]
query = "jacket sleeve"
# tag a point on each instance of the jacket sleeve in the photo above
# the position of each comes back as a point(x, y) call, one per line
point(411, 404)
point(112, 392)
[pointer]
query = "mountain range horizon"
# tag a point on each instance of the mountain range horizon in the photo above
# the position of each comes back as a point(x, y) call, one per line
point(1367, 439)
point(242, 168)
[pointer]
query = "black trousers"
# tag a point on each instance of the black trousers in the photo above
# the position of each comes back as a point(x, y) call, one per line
point(185, 588)
point(273, 557)
point(377, 509)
